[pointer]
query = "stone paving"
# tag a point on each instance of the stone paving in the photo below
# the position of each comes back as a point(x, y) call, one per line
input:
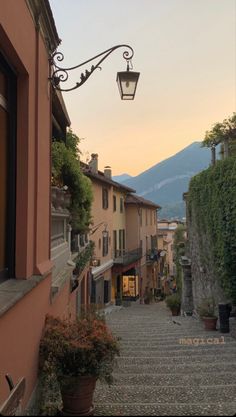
point(157, 375)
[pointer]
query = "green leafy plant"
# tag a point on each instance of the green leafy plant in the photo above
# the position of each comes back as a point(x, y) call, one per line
point(84, 257)
point(211, 206)
point(81, 347)
point(173, 301)
point(223, 133)
point(207, 308)
point(66, 171)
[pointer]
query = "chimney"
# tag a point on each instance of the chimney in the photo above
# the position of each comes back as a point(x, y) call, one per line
point(93, 164)
point(107, 172)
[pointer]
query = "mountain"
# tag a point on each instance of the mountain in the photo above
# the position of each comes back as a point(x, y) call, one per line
point(121, 178)
point(165, 182)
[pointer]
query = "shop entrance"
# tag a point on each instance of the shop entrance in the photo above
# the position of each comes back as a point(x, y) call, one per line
point(130, 285)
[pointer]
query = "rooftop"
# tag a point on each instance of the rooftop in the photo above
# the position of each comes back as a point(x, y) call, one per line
point(135, 199)
point(100, 176)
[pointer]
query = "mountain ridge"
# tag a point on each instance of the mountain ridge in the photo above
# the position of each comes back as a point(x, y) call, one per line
point(165, 182)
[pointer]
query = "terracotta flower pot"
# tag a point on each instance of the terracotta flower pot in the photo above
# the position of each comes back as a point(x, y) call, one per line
point(210, 323)
point(77, 395)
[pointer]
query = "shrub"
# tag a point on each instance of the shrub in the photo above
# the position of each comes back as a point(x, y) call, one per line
point(81, 347)
point(173, 301)
point(207, 308)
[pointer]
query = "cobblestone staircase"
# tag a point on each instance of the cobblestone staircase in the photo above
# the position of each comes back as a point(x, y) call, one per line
point(159, 375)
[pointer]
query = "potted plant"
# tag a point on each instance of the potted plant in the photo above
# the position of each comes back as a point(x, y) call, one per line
point(206, 311)
point(79, 353)
point(174, 303)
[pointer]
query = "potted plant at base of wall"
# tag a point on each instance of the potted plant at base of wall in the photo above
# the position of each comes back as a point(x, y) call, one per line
point(174, 303)
point(79, 352)
point(206, 311)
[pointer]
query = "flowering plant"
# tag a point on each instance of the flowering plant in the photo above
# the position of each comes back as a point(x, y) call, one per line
point(207, 308)
point(81, 347)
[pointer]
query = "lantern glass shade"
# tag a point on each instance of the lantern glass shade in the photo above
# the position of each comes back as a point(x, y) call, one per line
point(127, 83)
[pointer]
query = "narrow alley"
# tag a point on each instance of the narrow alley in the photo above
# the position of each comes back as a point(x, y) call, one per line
point(161, 373)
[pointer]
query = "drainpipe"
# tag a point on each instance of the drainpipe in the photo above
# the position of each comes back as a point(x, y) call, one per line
point(37, 29)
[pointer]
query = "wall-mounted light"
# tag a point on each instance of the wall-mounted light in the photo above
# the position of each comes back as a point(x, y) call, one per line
point(127, 80)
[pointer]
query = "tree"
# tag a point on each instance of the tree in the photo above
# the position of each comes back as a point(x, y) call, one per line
point(224, 133)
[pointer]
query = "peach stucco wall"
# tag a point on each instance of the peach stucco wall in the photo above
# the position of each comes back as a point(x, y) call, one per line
point(21, 329)
point(21, 326)
point(132, 227)
point(17, 30)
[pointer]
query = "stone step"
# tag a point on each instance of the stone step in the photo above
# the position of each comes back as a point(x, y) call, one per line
point(180, 351)
point(174, 339)
point(166, 409)
point(158, 379)
point(190, 359)
point(150, 394)
point(194, 368)
point(145, 334)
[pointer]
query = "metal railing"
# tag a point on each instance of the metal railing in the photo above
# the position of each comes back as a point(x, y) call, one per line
point(127, 257)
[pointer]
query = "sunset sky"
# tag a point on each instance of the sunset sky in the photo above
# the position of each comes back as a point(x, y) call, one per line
point(185, 51)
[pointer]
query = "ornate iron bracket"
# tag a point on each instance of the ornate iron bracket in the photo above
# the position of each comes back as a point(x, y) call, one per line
point(60, 74)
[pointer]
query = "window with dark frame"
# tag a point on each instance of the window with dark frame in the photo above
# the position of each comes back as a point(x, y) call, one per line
point(115, 242)
point(123, 240)
point(105, 198)
point(120, 241)
point(105, 244)
point(121, 204)
point(114, 203)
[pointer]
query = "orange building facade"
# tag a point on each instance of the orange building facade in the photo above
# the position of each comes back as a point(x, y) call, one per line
point(29, 286)
point(142, 233)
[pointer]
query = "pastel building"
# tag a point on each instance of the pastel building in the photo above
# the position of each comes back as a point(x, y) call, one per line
point(107, 230)
point(166, 231)
point(141, 229)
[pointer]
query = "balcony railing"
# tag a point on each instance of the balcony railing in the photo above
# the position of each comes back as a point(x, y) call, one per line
point(127, 257)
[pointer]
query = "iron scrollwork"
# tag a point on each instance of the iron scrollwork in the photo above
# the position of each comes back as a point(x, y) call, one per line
point(60, 74)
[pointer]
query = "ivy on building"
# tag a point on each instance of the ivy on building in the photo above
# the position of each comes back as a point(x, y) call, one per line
point(212, 207)
point(84, 257)
point(66, 171)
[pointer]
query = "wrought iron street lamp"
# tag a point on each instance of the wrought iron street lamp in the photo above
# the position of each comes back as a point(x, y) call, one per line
point(127, 83)
point(127, 80)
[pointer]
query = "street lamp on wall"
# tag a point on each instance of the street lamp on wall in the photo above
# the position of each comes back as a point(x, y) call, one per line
point(126, 80)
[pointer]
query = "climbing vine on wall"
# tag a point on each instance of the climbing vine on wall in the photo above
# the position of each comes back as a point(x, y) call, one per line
point(66, 171)
point(212, 206)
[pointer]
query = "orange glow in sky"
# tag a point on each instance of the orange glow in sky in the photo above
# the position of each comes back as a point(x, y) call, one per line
point(185, 51)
